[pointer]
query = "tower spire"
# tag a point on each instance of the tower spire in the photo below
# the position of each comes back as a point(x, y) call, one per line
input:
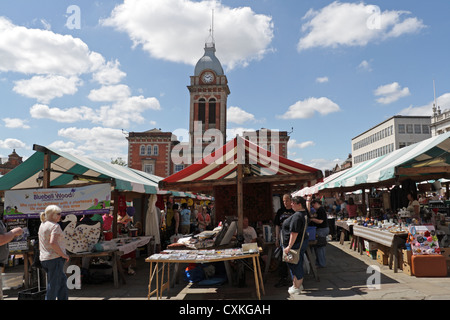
point(211, 42)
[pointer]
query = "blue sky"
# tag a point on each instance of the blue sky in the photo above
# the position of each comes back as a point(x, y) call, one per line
point(74, 77)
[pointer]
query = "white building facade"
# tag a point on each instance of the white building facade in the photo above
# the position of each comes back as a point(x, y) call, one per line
point(440, 122)
point(394, 133)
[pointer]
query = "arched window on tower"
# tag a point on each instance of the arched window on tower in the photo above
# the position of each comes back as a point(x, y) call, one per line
point(212, 113)
point(201, 110)
point(149, 150)
point(142, 151)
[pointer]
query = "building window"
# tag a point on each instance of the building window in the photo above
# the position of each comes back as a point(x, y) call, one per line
point(155, 150)
point(409, 128)
point(148, 168)
point(425, 129)
point(142, 153)
point(417, 129)
point(401, 145)
point(179, 167)
point(149, 150)
point(201, 110)
point(401, 128)
point(212, 111)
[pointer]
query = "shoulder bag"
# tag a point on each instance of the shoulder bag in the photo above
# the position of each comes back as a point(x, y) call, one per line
point(294, 255)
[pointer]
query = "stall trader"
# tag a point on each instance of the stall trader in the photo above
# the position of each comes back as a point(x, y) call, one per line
point(413, 206)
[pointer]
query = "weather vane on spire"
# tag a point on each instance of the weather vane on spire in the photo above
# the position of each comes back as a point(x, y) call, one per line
point(211, 43)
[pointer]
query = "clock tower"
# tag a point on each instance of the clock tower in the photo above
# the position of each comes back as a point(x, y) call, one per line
point(208, 101)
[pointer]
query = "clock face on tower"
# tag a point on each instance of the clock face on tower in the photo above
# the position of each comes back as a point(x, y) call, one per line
point(207, 77)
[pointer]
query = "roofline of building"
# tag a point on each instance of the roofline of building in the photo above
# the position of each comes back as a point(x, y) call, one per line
point(393, 117)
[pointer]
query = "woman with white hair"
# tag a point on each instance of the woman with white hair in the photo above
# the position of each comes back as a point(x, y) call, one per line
point(53, 254)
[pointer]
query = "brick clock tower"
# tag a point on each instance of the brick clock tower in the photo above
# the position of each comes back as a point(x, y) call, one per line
point(208, 99)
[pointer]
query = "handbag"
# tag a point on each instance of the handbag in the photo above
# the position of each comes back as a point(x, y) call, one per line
point(294, 255)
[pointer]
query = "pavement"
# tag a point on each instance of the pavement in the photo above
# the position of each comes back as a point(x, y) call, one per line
point(348, 276)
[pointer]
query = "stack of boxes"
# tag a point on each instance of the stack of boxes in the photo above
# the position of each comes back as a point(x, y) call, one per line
point(406, 262)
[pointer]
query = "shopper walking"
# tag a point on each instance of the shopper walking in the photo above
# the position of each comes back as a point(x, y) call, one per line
point(53, 253)
point(282, 214)
point(293, 233)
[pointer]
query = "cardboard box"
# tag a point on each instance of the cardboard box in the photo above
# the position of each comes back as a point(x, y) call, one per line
point(370, 245)
point(400, 258)
point(382, 258)
point(407, 256)
point(407, 269)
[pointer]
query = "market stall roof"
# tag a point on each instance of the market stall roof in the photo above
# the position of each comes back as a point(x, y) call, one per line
point(260, 165)
point(428, 159)
point(315, 188)
point(68, 169)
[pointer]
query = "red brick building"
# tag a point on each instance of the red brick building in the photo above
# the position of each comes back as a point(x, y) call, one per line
point(13, 161)
point(150, 151)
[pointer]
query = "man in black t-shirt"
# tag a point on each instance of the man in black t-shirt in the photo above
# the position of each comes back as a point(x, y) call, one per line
point(282, 214)
point(320, 221)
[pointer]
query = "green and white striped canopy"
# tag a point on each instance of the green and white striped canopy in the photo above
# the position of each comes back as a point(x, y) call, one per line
point(420, 161)
point(68, 169)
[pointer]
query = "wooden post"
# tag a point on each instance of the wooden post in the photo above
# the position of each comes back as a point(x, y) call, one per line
point(363, 195)
point(115, 197)
point(47, 163)
point(240, 198)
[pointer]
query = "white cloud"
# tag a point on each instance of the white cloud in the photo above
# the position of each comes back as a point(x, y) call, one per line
point(427, 110)
point(11, 144)
point(15, 123)
point(69, 115)
point(301, 145)
point(324, 164)
point(322, 79)
point(46, 88)
point(307, 108)
point(365, 66)
point(390, 93)
point(118, 115)
point(239, 116)
point(240, 33)
point(103, 142)
point(44, 52)
point(109, 73)
point(110, 93)
point(354, 24)
point(126, 111)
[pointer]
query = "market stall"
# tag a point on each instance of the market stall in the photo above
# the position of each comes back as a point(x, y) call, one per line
point(238, 170)
point(81, 187)
point(160, 264)
point(389, 179)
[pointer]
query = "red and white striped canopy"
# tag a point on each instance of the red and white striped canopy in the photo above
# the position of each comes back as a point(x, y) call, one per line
point(220, 168)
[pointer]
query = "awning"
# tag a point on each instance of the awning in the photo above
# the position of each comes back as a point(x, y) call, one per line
point(260, 165)
point(315, 188)
point(68, 169)
point(428, 159)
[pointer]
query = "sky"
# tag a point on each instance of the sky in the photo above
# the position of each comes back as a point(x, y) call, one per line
point(78, 75)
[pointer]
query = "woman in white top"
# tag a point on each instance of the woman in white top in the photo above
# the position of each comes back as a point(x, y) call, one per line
point(53, 254)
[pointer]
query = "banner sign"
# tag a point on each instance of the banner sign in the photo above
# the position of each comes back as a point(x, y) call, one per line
point(29, 203)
